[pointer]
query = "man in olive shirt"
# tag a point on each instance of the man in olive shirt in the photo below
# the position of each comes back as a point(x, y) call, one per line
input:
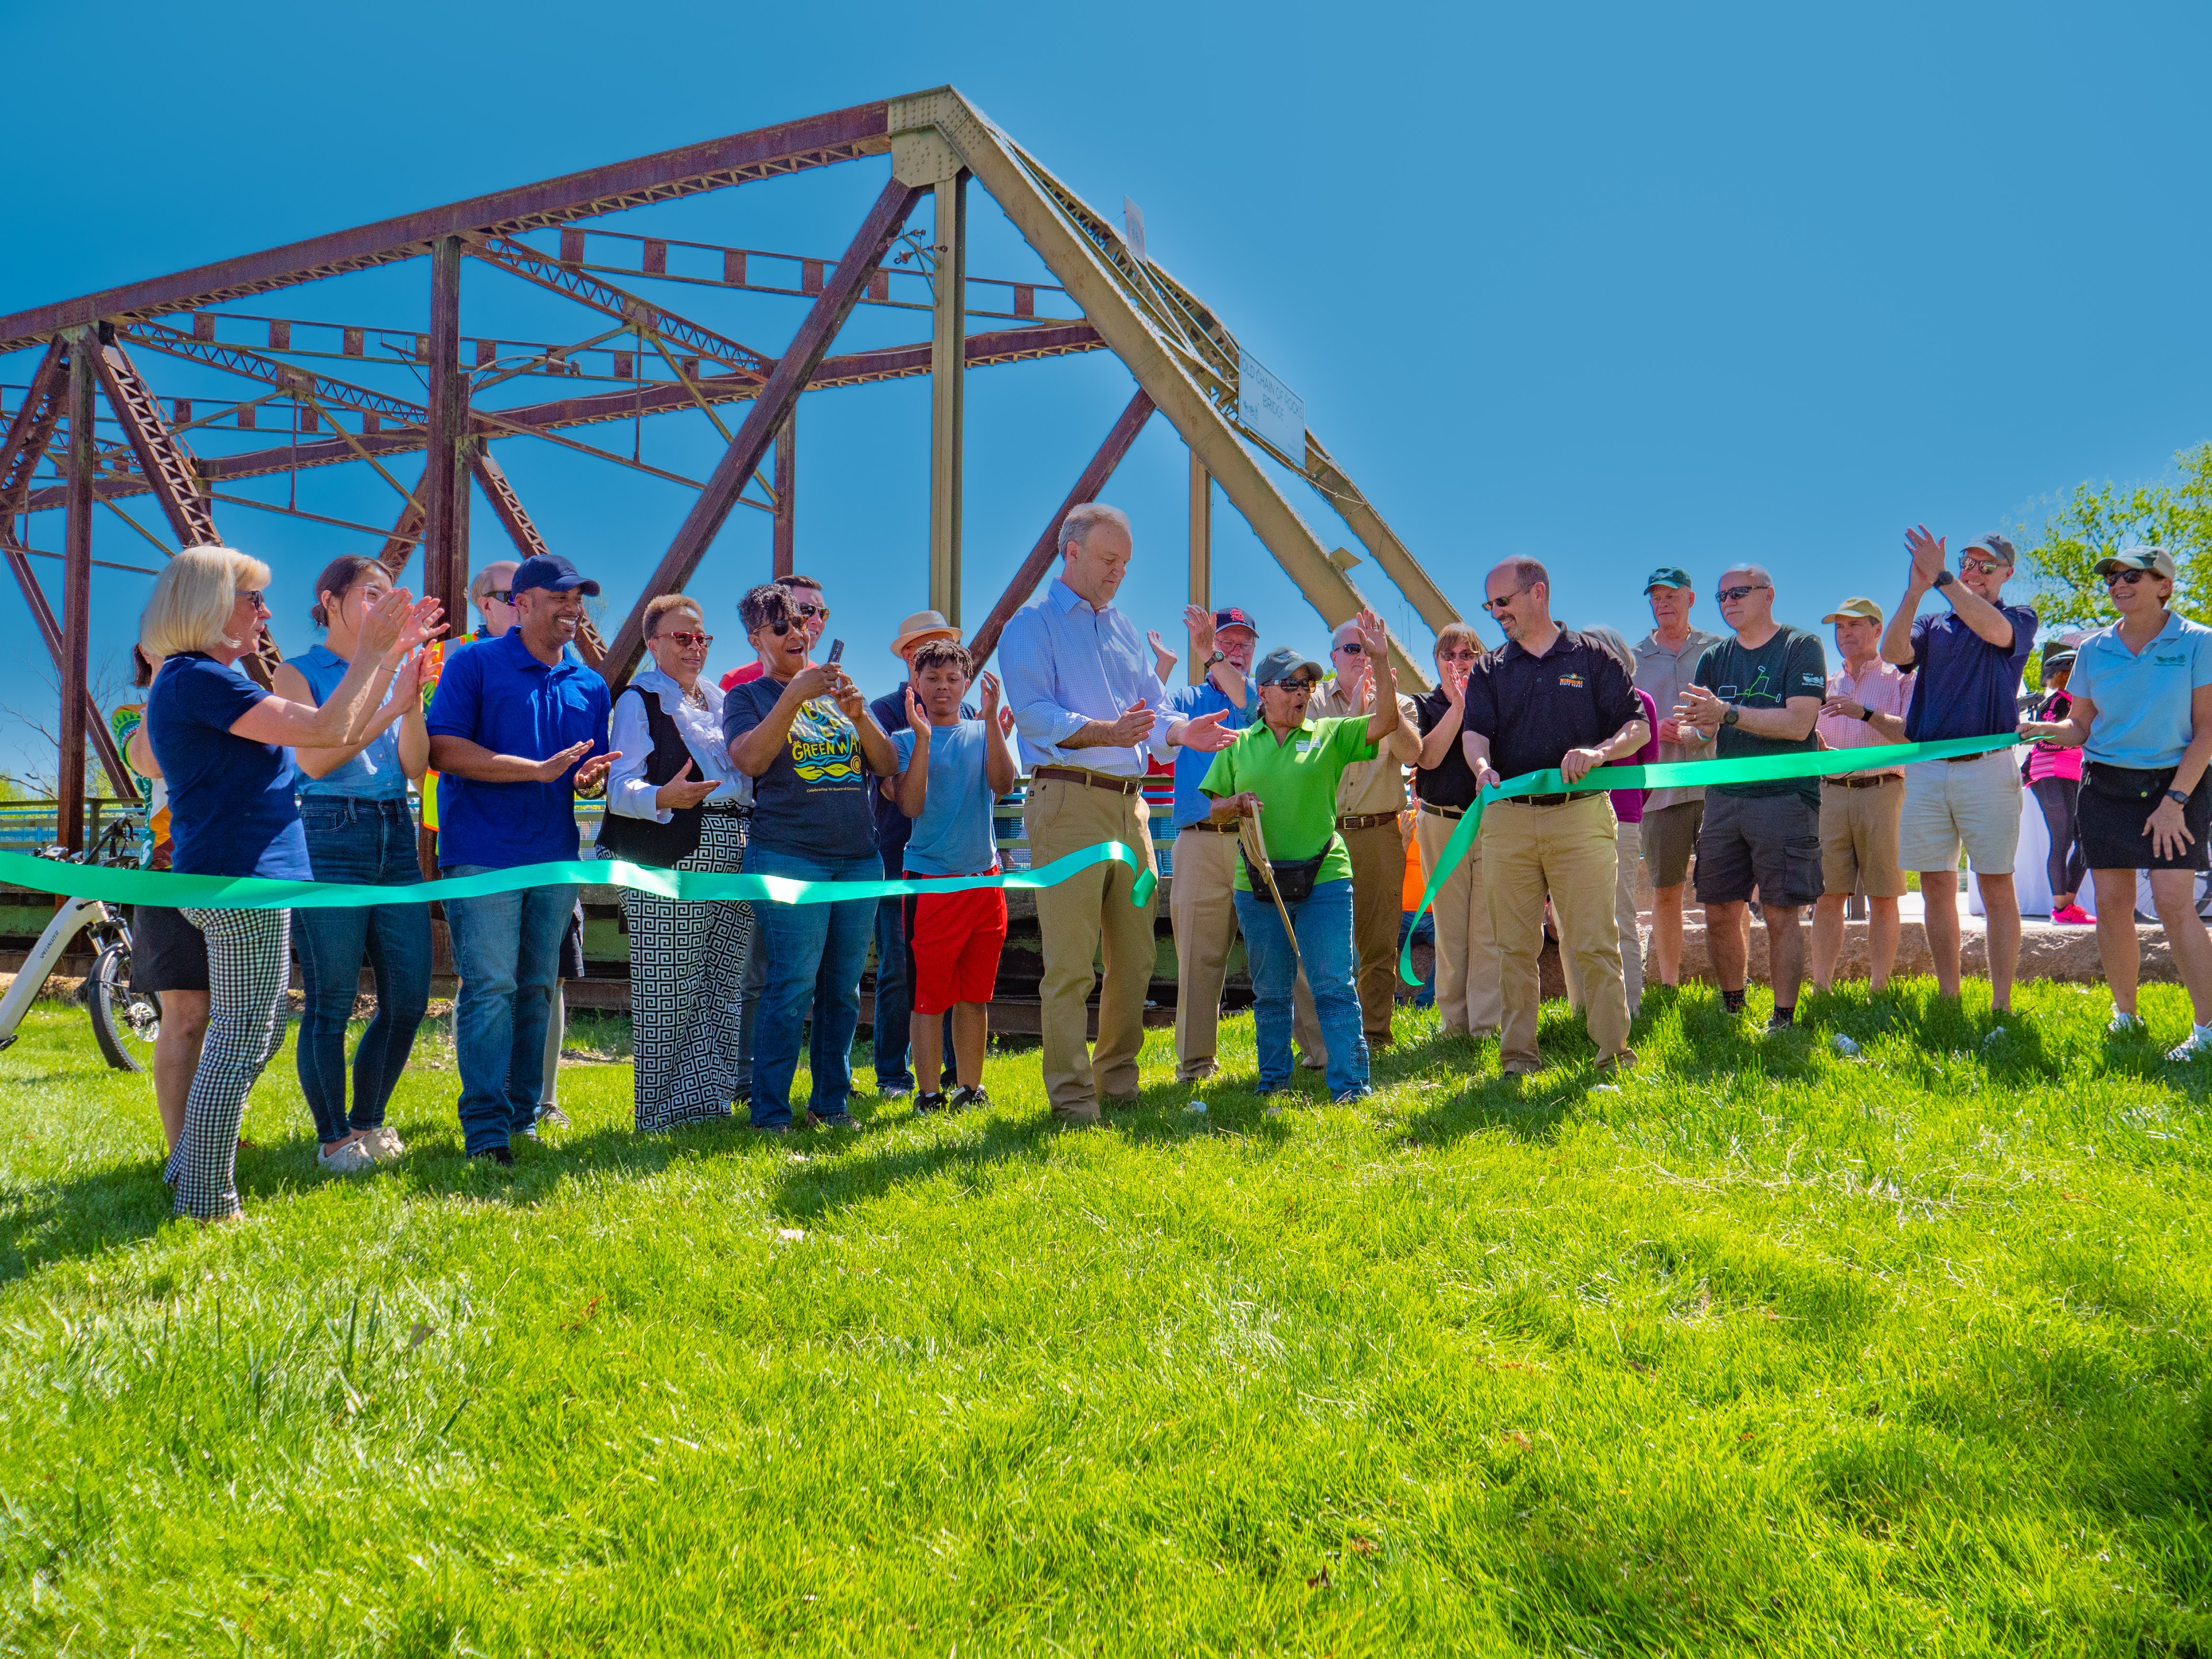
point(1551, 699)
point(1369, 799)
point(1666, 660)
point(1760, 693)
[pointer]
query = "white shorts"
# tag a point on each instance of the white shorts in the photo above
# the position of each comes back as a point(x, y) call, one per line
point(1974, 803)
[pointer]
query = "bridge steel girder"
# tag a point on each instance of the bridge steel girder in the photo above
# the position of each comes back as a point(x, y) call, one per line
point(77, 595)
point(1141, 341)
point(520, 259)
point(166, 466)
point(840, 292)
point(272, 372)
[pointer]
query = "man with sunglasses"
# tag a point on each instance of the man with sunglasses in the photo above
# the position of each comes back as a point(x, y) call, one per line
point(1551, 699)
point(1966, 667)
point(1369, 798)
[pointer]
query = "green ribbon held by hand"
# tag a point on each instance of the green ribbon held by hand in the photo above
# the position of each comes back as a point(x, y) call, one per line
point(1679, 774)
point(181, 891)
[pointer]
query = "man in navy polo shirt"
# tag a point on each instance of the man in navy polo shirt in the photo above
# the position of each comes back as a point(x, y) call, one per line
point(1203, 719)
point(516, 727)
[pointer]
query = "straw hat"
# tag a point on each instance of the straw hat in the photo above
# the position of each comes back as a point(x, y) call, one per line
point(921, 626)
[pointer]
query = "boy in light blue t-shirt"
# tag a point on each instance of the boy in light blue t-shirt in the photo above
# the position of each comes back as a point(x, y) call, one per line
point(952, 773)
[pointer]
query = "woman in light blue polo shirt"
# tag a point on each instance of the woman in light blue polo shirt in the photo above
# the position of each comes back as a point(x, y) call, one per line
point(361, 830)
point(2141, 692)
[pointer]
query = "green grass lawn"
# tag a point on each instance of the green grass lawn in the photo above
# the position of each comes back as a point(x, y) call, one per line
point(1766, 1349)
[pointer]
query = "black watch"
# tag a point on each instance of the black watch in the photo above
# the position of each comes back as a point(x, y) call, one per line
point(1944, 579)
point(1730, 715)
point(2177, 798)
point(1219, 656)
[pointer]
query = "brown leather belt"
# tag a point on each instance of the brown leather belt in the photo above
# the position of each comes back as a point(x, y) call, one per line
point(1094, 780)
point(1365, 820)
point(1566, 800)
point(1863, 783)
point(1444, 811)
point(1211, 826)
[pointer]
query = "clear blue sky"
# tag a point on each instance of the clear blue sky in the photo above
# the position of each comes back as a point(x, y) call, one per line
point(1612, 285)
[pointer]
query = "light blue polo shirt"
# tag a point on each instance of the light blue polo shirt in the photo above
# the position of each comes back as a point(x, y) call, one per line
point(1187, 702)
point(2142, 701)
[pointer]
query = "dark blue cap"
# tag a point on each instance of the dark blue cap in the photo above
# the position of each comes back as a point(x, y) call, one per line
point(551, 571)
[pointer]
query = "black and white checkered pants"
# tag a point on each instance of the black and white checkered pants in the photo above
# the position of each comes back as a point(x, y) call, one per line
point(249, 961)
point(686, 963)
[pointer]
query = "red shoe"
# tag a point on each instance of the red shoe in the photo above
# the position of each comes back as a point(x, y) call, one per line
point(2074, 913)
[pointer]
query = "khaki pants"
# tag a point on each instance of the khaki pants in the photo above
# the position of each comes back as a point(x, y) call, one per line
point(1378, 897)
point(1569, 852)
point(1201, 904)
point(1467, 998)
point(1088, 911)
point(1629, 843)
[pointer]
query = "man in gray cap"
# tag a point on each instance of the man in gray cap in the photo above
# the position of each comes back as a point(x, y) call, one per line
point(1665, 660)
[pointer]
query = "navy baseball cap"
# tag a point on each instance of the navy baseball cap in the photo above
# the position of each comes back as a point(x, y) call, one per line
point(551, 571)
point(1667, 575)
point(1234, 616)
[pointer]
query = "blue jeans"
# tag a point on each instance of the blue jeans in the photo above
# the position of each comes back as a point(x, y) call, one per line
point(1423, 934)
point(371, 844)
point(1323, 922)
point(813, 952)
point(507, 949)
point(894, 1001)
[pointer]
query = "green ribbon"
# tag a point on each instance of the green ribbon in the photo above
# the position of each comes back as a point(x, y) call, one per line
point(1677, 775)
point(180, 891)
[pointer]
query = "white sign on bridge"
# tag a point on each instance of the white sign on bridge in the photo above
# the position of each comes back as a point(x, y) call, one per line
point(1270, 408)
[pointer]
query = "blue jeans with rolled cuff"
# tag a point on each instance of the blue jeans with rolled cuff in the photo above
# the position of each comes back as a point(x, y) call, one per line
point(369, 843)
point(894, 1019)
point(507, 949)
point(815, 953)
point(1323, 921)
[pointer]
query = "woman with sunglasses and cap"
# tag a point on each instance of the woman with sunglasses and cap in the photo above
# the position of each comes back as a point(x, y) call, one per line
point(2141, 690)
point(1283, 770)
point(674, 800)
point(2054, 777)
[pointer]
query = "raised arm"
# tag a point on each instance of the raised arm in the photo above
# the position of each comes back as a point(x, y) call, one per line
point(999, 768)
point(1446, 731)
point(299, 724)
point(1386, 721)
point(876, 745)
point(909, 790)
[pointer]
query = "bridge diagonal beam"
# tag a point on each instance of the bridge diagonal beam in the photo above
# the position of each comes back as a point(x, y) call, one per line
point(164, 463)
point(520, 259)
point(773, 403)
point(272, 372)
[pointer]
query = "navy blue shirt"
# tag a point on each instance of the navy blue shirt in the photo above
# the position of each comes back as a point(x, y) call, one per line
point(1187, 702)
point(893, 827)
point(1964, 686)
point(496, 694)
point(231, 809)
point(813, 801)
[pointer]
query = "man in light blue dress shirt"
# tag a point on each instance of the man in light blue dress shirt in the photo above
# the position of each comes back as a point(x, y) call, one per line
point(1078, 676)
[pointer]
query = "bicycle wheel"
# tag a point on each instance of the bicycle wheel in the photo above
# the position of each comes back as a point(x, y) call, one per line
point(125, 1021)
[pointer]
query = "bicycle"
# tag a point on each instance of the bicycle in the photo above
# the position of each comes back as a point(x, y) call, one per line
point(125, 1021)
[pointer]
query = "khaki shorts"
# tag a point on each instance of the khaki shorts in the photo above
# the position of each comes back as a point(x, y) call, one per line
point(1858, 838)
point(1670, 835)
point(1974, 803)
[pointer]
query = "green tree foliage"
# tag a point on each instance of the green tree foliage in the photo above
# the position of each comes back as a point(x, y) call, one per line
point(2098, 521)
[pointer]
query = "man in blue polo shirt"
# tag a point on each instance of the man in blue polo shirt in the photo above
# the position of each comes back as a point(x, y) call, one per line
point(1202, 899)
point(517, 728)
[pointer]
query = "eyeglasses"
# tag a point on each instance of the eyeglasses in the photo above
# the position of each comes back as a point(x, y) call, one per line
point(1458, 656)
point(809, 612)
point(504, 595)
point(1494, 606)
point(253, 596)
point(1987, 568)
point(1731, 595)
point(2124, 578)
point(1351, 648)
point(1301, 684)
point(691, 641)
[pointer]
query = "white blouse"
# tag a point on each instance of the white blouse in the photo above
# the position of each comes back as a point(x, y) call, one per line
point(700, 728)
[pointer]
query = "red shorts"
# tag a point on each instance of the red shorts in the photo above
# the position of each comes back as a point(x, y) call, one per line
point(953, 944)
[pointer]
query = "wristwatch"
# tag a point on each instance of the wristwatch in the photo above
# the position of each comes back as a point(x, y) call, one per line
point(1866, 716)
point(1730, 715)
point(2177, 798)
point(1944, 579)
point(1219, 656)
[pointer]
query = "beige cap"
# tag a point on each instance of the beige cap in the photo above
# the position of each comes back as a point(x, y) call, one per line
point(921, 626)
point(2156, 559)
point(1854, 609)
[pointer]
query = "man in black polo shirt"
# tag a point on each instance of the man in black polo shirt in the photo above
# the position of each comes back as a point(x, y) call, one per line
point(1761, 692)
point(1550, 699)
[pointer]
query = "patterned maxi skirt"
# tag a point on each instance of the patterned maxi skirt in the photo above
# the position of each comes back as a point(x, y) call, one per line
point(687, 963)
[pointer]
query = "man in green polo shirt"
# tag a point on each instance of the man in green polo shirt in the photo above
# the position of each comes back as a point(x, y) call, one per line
point(1283, 770)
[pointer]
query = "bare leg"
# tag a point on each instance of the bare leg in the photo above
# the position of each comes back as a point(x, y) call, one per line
point(928, 1039)
point(2174, 893)
point(1786, 953)
point(1828, 937)
point(2001, 907)
point(177, 1056)
point(1939, 892)
point(1667, 933)
point(1881, 941)
point(971, 1034)
point(1727, 939)
point(2117, 952)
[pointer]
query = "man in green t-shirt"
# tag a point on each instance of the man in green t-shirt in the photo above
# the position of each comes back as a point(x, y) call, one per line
point(1760, 691)
point(1283, 770)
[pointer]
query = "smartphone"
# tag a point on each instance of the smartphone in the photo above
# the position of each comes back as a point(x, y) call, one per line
point(836, 650)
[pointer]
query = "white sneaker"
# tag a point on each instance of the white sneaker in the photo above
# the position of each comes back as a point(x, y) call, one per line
point(2126, 1024)
point(349, 1159)
point(2198, 1046)
point(383, 1142)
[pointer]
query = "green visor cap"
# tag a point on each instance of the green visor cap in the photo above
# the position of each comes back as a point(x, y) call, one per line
point(1667, 575)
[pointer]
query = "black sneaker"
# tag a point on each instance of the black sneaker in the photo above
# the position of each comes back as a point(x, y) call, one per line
point(499, 1154)
point(932, 1101)
point(964, 1098)
point(1781, 1020)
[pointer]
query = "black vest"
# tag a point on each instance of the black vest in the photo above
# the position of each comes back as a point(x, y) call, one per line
point(641, 841)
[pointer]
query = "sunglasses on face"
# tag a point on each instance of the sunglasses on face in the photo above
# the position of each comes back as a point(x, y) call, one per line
point(1352, 648)
point(1984, 566)
point(1494, 606)
point(505, 596)
point(252, 596)
point(809, 612)
point(778, 629)
point(691, 641)
point(1300, 685)
point(1731, 595)
point(2125, 578)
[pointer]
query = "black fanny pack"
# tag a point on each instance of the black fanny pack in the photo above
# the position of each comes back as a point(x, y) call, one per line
point(2126, 782)
point(1289, 879)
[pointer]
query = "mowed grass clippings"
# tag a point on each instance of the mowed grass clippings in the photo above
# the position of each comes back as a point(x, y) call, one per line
point(1765, 1348)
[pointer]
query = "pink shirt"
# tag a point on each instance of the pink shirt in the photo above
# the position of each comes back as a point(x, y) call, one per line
point(1628, 804)
point(2046, 761)
point(1884, 689)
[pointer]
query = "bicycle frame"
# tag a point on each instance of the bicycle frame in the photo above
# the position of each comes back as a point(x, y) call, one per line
point(74, 916)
